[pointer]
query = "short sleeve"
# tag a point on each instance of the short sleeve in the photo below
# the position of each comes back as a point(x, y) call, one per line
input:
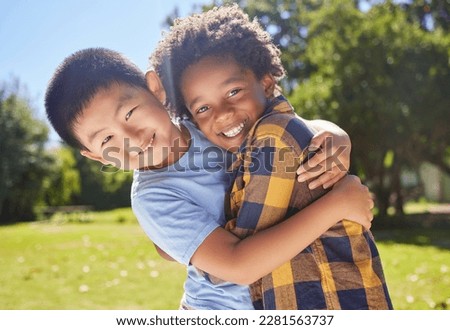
point(175, 224)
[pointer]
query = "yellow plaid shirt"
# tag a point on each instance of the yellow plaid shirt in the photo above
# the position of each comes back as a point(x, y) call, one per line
point(340, 270)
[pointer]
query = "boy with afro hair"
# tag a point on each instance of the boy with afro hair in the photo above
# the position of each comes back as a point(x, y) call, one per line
point(222, 71)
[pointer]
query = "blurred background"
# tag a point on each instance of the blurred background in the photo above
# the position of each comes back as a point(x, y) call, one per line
point(379, 69)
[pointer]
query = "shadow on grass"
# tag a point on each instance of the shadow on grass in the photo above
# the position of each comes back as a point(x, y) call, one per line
point(425, 229)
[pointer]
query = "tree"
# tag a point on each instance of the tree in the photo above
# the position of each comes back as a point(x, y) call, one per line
point(384, 80)
point(75, 180)
point(23, 160)
point(62, 184)
point(102, 187)
point(430, 14)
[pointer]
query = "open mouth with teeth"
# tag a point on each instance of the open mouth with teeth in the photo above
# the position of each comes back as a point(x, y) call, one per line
point(235, 130)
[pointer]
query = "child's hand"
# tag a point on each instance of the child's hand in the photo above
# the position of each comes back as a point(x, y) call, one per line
point(330, 163)
point(355, 200)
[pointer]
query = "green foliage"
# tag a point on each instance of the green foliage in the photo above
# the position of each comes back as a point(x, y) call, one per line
point(74, 179)
point(102, 187)
point(429, 14)
point(62, 184)
point(23, 162)
point(384, 80)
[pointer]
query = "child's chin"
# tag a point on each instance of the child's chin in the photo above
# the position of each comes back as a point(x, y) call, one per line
point(230, 144)
point(230, 147)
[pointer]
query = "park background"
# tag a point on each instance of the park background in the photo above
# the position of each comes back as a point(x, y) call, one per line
point(379, 69)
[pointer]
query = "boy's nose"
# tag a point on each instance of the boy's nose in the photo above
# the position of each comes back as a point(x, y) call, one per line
point(224, 113)
point(132, 146)
point(134, 141)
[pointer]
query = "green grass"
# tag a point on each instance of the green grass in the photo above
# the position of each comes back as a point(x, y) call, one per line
point(417, 267)
point(109, 263)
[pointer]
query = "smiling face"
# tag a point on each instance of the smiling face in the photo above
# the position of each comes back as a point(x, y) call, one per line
point(129, 128)
point(224, 99)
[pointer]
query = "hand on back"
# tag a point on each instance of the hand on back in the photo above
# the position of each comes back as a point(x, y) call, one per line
point(330, 162)
point(355, 200)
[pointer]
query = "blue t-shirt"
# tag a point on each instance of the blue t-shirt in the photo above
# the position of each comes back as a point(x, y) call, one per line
point(179, 206)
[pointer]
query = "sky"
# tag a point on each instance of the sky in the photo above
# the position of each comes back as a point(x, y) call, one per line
point(35, 36)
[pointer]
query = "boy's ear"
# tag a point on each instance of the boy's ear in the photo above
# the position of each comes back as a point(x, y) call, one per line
point(155, 85)
point(91, 155)
point(268, 83)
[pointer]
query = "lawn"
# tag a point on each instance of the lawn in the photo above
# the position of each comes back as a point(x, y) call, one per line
point(107, 262)
point(417, 267)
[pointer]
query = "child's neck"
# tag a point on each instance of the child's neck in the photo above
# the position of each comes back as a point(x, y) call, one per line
point(181, 145)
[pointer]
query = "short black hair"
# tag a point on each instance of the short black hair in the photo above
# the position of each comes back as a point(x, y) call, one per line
point(220, 32)
point(78, 79)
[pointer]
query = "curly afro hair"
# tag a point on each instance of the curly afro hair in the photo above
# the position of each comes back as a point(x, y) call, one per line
point(220, 32)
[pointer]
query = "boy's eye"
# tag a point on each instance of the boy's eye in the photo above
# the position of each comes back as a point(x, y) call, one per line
point(128, 115)
point(234, 92)
point(106, 139)
point(202, 109)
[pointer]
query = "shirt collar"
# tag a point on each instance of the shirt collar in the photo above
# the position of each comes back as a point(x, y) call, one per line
point(277, 104)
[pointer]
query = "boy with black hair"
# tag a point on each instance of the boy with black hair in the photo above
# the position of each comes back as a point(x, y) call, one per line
point(102, 104)
point(223, 71)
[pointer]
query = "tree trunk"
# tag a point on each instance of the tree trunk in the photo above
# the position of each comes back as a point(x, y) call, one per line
point(383, 201)
point(382, 195)
point(397, 186)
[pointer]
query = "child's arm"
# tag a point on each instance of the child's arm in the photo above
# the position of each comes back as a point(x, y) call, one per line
point(332, 160)
point(244, 261)
point(223, 254)
point(269, 175)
